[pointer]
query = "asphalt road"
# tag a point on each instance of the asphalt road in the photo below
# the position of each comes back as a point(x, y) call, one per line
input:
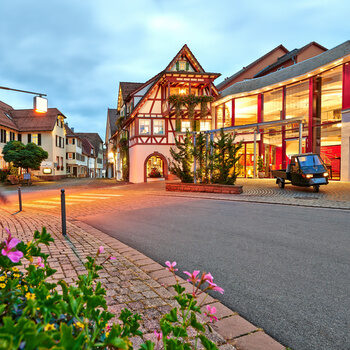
point(284, 268)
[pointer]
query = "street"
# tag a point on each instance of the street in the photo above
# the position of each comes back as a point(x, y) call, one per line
point(284, 268)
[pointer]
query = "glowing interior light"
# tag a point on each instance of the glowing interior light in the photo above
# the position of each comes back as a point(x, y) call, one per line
point(40, 104)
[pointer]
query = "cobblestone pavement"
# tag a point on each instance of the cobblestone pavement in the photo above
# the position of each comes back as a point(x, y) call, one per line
point(132, 280)
point(335, 195)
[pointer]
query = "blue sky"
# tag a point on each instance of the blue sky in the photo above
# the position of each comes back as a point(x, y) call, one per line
point(77, 51)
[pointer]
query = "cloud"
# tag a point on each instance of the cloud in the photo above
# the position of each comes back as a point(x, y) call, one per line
point(78, 51)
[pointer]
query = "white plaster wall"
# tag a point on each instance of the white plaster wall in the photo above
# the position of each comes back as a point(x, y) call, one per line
point(345, 146)
point(138, 155)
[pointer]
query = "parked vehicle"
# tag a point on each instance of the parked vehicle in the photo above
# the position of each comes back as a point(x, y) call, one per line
point(303, 170)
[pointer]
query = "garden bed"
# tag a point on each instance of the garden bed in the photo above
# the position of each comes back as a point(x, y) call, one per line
point(209, 188)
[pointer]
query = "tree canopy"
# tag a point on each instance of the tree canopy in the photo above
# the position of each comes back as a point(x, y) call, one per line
point(24, 156)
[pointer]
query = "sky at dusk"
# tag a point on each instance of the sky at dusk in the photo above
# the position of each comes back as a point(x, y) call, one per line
point(77, 52)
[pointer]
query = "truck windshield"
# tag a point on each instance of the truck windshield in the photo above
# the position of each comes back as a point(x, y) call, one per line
point(311, 162)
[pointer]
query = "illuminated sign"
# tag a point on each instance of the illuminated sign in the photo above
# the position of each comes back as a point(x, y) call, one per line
point(40, 104)
point(47, 171)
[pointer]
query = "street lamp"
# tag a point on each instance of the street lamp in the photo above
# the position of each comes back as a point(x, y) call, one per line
point(39, 102)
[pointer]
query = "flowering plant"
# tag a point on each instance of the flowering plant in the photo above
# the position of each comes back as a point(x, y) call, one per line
point(38, 314)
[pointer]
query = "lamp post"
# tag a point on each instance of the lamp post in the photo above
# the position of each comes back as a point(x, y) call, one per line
point(39, 102)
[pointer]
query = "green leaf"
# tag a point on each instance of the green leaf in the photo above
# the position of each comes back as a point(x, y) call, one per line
point(195, 324)
point(148, 345)
point(172, 315)
point(68, 341)
point(209, 345)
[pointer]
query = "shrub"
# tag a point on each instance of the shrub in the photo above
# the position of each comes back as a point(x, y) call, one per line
point(37, 314)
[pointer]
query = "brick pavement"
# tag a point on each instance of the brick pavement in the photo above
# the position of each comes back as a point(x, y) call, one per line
point(132, 280)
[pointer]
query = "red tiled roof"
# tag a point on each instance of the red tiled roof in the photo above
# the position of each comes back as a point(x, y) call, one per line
point(87, 147)
point(93, 138)
point(6, 118)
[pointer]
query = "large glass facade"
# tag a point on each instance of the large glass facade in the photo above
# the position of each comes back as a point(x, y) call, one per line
point(273, 105)
point(331, 104)
point(246, 110)
point(279, 142)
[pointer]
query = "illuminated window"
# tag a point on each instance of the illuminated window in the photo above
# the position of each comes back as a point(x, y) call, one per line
point(220, 117)
point(144, 126)
point(331, 95)
point(158, 127)
point(35, 138)
point(273, 105)
point(228, 107)
point(185, 125)
point(205, 125)
point(246, 110)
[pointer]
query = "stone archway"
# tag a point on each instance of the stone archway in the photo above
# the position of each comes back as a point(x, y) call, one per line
point(164, 165)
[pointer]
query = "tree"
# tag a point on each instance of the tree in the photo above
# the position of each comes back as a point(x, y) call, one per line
point(27, 156)
point(201, 156)
point(124, 155)
point(182, 159)
point(224, 159)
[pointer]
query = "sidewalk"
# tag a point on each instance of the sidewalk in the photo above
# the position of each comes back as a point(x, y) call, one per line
point(132, 280)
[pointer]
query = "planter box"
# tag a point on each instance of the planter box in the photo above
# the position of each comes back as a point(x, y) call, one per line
point(209, 188)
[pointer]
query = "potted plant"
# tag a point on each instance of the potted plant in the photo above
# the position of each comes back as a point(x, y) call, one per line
point(155, 173)
point(261, 172)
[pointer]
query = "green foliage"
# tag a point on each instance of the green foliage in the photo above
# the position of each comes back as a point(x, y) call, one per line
point(124, 155)
point(24, 156)
point(190, 101)
point(3, 174)
point(182, 159)
point(177, 101)
point(224, 159)
point(201, 156)
point(34, 315)
point(204, 105)
point(260, 163)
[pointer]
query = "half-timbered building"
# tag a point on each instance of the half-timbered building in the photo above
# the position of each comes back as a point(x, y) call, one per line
point(150, 123)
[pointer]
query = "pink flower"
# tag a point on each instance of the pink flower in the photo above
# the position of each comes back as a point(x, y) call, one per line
point(39, 262)
point(215, 287)
point(159, 336)
point(210, 313)
point(100, 250)
point(193, 276)
point(10, 244)
point(208, 277)
point(108, 328)
point(171, 266)
point(112, 258)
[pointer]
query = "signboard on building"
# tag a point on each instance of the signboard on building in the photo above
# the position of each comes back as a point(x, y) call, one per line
point(46, 164)
point(26, 176)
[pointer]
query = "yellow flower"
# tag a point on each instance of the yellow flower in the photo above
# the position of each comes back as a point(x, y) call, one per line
point(16, 275)
point(107, 334)
point(49, 327)
point(30, 296)
point(79, 324)
point(15, 269)
point(2, 278)
point(2, 285)
point(25, 288)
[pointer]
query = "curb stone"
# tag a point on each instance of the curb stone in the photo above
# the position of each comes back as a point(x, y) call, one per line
point(133, 280)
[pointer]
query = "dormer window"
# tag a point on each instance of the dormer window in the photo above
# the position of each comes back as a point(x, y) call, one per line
point(182, 65)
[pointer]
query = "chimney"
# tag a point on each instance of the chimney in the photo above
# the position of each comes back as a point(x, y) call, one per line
point(72, 129)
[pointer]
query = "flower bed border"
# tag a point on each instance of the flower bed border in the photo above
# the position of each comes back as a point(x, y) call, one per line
point(209, 188)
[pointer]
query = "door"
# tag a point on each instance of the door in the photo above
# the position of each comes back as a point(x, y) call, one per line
point(75, 171)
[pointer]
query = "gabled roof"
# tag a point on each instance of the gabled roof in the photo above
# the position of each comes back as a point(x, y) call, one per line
point(87, 147)
point(251, 65)
point(127, 88)
point(112, 116)
point(93, 137)
point(6, 118)
point(190, 56)
point(69, 131)
point(290, 72)
point(288, 56)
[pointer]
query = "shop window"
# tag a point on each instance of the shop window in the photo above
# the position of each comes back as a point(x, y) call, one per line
point(155, 167)
point(158, 127)
point(297, 105)
point(205, 125)
point(273, 104)
point(144, 126)
point(331, 95)
point(220, 117)
point(185, 126)
point(228, 115)
point(246, 110)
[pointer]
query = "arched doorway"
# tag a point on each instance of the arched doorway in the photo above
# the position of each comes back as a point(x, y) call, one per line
point(155, 167)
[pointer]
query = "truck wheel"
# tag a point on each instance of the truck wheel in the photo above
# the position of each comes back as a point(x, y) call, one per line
point(317, 188)
point(280, 183)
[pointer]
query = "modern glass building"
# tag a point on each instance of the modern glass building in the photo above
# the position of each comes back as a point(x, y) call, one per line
point(315, 91)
